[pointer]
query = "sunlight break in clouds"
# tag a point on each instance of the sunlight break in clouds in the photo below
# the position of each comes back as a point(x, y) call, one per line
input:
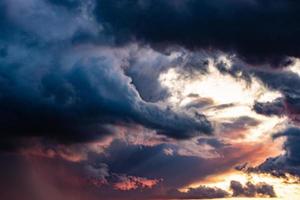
point(282, 186)
point(224, 98)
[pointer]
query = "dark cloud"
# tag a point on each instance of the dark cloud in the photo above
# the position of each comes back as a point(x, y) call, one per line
point(280, 80)
point(154, 162)
point(238, 124)
point(252, 190)
point(77, 104)
point(291, 145)
point(143, 161)
point(285, 82)
point(275, 107)
point(65, 87)
point(259, 31)
point(97, 174)
point(238, 190)
point(214, 142)
point(202, 192)
point(283, 165)
point(53, 88)
point(288, 162)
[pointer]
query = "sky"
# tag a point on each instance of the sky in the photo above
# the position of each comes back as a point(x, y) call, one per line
point(149, 99)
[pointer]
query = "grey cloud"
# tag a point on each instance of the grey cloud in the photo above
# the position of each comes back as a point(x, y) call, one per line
point(287, 163)
point(258, 31)
point(202, 192)
point(97, 174)
point(78, 101)
point(51, 87)
point(251, 190)
point(275, 107)
point(241, 123)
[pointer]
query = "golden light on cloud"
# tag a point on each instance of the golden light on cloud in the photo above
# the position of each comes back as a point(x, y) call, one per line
point(221, 88)
point(282, 186)
point(224, 98)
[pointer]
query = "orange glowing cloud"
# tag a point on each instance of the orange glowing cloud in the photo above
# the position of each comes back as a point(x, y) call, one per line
point(132, 182)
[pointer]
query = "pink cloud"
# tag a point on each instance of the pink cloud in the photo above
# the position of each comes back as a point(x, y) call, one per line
point(132, 182)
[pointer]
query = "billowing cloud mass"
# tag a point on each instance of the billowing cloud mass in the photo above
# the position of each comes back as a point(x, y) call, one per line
point(143, 99)
point(287, 162)
point(251, 190)
point(74, 92)
point(259, 31)
point(199, 193)
point(275, 107)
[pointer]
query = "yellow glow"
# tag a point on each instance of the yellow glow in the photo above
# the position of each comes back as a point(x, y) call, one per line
point(223, 89)
point(285, 188)
point(219, 90)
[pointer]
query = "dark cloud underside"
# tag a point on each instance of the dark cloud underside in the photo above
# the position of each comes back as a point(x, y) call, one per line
point(259, 31)
point(53, 88)
point(288, 162)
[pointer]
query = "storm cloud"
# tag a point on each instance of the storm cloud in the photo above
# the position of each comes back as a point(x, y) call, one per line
point(251, 190)
point(259, 31)
point(286, 163)
point(276, 107)
point(53, 88)
point(137, 99)
point(201, 192)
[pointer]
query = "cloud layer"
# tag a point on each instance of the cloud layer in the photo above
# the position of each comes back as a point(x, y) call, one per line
point(71, 93)
point(138, 99)
point(259, 31)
